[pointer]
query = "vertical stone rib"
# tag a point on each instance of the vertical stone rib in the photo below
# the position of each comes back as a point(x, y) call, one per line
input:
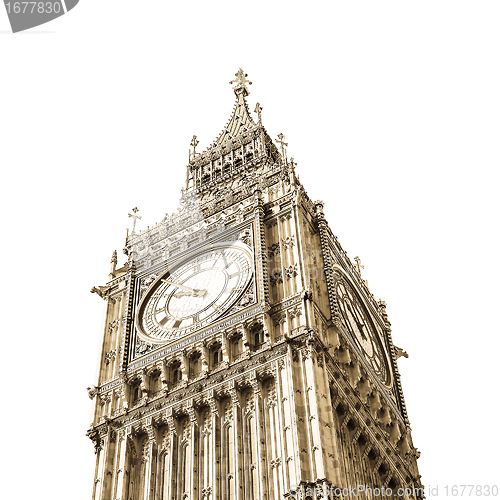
point(261, 249)
point(327, 261)
point(128, 321)
point(394, 365)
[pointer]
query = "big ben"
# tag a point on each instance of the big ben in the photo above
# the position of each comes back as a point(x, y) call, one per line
point(242, 355)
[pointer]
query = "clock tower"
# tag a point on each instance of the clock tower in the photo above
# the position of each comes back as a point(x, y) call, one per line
point(242, 355)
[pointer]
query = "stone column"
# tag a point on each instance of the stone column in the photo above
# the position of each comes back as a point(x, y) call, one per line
point(261, 438)
point(121, 445)
point(150, 477)
point(237, 429)
point(194, 452)
point(215, 451)
point(261, 250)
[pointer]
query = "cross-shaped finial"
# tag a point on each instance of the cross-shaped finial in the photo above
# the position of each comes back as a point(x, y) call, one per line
point(282, 145)
point(193, 143)
point(358, 264)
point(240, 79)
point(258, 110)
point(135, 217)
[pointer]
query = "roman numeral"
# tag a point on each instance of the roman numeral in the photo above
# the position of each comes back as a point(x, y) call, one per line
point(234, 275)
point(216, 258)
point(177, 323)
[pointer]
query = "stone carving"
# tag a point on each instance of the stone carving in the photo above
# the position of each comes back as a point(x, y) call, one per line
point(228, 411)
point(147, 282)
point(276, 277)
point(102, 291)
point(291, 271)
point(246, 237)
point(142, 347)
point(279, 319)
point(92, 391)
point(186, 429)
point(295, 312)
point(288, 242)
point(105, 398)
point(274, 249)
point(110, 356)
point(114, 324)
point(399, 352)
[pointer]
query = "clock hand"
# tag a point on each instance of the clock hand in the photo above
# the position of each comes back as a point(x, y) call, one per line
point(191, 291)
point(360, 326)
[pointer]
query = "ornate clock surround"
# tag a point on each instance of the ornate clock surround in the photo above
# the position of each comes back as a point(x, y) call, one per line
point(223, 248)
point(363, 330)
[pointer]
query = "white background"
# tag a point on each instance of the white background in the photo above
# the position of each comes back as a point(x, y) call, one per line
point(391, 110)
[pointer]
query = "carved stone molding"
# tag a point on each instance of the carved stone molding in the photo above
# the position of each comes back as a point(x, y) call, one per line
point(291, 271)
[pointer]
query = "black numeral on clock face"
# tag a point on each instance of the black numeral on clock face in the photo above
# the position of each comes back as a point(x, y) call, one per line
point(163, 321)
point(177, 323)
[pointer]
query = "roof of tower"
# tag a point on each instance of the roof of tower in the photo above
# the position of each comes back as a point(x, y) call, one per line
point(240, 129)
point(240, 120)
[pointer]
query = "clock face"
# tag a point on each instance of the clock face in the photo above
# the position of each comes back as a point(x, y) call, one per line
point(362, 330)
point(195, 293)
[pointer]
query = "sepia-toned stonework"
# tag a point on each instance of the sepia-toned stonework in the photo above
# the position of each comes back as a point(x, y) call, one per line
point(243, 355)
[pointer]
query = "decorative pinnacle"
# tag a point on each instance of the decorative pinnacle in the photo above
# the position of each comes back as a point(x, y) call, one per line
point(114, 260)
point(258, 110)
point(240, 82)
point(358, 264)
point(135, 217)
point(282, 145)
point(193, 143)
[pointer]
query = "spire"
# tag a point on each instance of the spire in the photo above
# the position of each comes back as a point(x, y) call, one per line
point(240, 120)
point(241, 134)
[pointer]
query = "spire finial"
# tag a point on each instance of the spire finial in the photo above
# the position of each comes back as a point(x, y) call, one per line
point(135, 217)
point(240, 81)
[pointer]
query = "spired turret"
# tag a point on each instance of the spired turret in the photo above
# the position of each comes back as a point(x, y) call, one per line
point(243, 355)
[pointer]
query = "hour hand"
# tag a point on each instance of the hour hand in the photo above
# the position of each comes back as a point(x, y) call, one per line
point(194, 293)
point(187, 292)
point(183, 293)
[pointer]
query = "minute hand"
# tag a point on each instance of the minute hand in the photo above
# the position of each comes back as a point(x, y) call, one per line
point(186, 288)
